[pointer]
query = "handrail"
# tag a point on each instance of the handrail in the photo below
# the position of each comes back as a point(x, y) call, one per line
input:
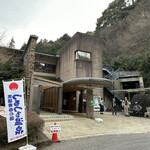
point(108, 68)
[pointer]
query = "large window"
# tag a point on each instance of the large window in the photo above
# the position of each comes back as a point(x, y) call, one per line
point(83, 55)
point(46, 68)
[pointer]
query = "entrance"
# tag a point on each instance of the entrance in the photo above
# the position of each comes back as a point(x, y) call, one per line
point(49, 100)
point(69, 101)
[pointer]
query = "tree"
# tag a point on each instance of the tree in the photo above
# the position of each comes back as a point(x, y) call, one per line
point(52, 47)
point(2, 36)
point(23, 46)
point(7, 72)
point(12, 43)
point(117, 10)
point(144, 69)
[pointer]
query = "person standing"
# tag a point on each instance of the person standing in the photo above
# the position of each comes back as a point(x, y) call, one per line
point(101, 106)
point(114, 106)
point(125, 105)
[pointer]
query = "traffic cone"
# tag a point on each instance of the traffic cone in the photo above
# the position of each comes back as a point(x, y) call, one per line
point(54, 137)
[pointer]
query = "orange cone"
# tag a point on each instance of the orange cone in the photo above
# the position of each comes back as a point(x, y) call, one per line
point(54, 136)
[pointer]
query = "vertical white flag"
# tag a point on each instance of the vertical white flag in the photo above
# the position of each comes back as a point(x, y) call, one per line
point(15, 110)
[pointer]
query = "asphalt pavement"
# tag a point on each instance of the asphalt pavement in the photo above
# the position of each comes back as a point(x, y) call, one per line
point(105, 142)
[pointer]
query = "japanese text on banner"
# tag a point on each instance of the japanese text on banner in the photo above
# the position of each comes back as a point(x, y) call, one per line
point(15, 110)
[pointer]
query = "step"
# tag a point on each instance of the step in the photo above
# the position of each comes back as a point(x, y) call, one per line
point(49, 118)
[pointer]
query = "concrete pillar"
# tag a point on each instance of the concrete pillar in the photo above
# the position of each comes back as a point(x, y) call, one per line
point(60, 91)
point(36, 99)
point(28, 61)
point(31, 95)
point(89, 107)
point(77, 100)
point(81, 107)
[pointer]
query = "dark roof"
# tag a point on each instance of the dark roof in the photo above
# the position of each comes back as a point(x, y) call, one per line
point(43, 54)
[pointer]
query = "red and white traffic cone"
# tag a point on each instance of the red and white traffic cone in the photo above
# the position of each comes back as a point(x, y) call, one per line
point(54, 137)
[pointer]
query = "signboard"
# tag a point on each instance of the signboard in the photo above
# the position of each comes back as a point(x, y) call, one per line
point(15, 112)
point(96, 99)
point(55, 129)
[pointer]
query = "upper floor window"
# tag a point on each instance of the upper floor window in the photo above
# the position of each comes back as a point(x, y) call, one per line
point(83, 55)
point(46, 68)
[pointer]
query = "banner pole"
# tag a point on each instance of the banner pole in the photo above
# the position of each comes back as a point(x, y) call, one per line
point(27, 140)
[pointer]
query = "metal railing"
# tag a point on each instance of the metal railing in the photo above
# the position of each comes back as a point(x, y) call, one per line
point(108, 68)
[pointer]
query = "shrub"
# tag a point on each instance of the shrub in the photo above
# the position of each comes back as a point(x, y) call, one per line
point(3, 130)
point(35, 127)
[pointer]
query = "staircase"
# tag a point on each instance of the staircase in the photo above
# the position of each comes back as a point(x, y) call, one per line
point(114, 75)
point(51, 117)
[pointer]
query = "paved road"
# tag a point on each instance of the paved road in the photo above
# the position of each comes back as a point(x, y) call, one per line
point(105, 142)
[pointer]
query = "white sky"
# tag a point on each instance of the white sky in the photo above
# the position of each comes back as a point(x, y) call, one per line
point(48, 19)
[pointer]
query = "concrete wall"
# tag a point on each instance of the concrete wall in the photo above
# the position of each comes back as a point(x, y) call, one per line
point(71, 68)
point(108, 103)
point(83, 68)
point(67, 66)
point(36, 99)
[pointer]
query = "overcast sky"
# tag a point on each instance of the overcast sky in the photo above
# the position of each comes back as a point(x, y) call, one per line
point(48, 19)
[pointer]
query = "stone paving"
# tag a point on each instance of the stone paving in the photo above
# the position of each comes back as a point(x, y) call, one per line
point(84, 127)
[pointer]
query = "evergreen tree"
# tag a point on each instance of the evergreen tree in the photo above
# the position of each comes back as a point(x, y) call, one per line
point(23, 46)
point(117, 10)
point(7, 72)
point(144, 69)
point(52, 47)
point(12, 43)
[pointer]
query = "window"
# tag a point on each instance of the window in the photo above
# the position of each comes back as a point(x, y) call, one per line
point(83, 55)
point(46, 68)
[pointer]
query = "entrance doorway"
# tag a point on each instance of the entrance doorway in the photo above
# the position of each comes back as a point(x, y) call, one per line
point(49, 100)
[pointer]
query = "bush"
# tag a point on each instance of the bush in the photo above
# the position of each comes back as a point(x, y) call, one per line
point(3, 130)
point(35, 127)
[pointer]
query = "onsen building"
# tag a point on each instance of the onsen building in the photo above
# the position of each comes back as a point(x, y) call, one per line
point(66, 81)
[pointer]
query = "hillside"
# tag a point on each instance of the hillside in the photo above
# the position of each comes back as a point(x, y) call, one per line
point(127, 41)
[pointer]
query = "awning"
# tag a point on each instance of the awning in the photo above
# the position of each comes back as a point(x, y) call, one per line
point(78, 84)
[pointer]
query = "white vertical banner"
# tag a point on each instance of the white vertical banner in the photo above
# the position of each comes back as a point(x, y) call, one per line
point(15, 110)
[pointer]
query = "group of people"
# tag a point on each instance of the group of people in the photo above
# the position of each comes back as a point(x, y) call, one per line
point(125, 104)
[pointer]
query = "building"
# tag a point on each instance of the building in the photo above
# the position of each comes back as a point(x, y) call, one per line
point(125, 84)
point(70, 79)
point(61, 82)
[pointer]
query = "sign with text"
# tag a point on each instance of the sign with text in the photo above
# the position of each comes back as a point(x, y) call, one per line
point(55, 129)
point(15, 110)
point(96, 99)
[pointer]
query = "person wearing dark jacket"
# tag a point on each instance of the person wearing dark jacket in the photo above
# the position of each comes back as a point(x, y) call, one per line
point(114, 106)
